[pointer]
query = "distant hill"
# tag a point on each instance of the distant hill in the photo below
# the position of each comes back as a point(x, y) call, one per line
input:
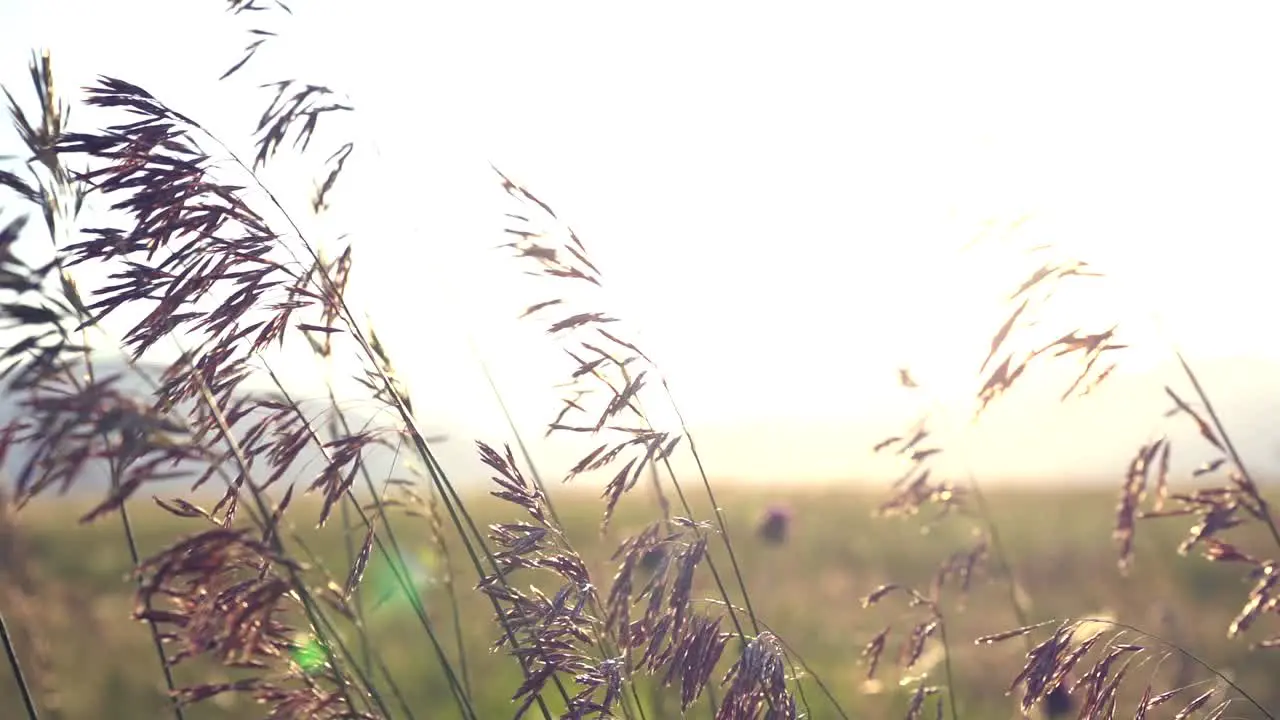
point(382, 462)
point(1026, 437)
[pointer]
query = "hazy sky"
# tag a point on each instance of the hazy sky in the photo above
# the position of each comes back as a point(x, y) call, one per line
point(777, 194)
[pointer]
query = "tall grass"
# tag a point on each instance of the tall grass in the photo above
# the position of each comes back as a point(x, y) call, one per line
point(206, 255)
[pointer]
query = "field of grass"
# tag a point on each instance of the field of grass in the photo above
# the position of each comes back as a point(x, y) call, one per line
point(65, 589)
point(836, 612)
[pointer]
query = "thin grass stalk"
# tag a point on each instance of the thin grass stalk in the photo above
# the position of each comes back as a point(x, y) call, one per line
point(52, 120)
point(458, 515)
point(308, 603)
point(793, 657)
point(382, 666)
point(946, 666)
point(134, 556)
point(615, 649)
point(542, 489)
point(156, 642)
point(322, 624)
point(392, 557)
point(363, 675)
point(804, 698)
point(1246, 485)
point(992, 530)
point(126, 524)
point(1001, 555)
point(463, 669)
point(537, 478)
point(450, 497)
point(28, 702)
point(723, 527)
point(688, 508)
point(633, 402)
point(1167, 643)
point(460, 686)
point(1006, 568)
point(715, 574)
point(325, 633)
point(259, 517)
point(664, 505)
point(454, 608)
point(306, 600)
point(395, 687)
point(997, 545)
point(344, 514)
point(515, 432)
point(721, 522)
point(1264, 508)
point(52, 214)
point(658, 699)
point(450, 581)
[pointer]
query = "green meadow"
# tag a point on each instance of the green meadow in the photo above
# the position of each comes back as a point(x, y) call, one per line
point(68, 598)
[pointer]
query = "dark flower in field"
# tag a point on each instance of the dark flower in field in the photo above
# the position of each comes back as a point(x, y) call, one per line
point(652, 559)
point(774, 525)
point(1058, 702)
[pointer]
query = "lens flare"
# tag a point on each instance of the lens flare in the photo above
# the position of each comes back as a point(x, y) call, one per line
point(308, 653)
point(422, 572)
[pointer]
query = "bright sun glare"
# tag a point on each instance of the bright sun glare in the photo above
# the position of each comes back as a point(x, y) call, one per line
point(777, 199)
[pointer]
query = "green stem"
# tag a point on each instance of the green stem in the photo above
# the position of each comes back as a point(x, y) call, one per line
point(515, 432)
point(349, 545)
point(987, 519)
point(156, 641)
point(817, 679)
point(460, 517)
point(392, 556)
point(461, 687)
point(1001, 555)
point(946, 664)
point(716, 509)
point(382, 666)
point(255, 493)
point(115, 469)
point(27, 700)
point(605, 649)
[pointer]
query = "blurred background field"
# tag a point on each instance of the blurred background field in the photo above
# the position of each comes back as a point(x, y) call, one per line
point(65, 589)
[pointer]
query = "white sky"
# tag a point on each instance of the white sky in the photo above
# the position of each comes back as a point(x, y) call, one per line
point(776, 196)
